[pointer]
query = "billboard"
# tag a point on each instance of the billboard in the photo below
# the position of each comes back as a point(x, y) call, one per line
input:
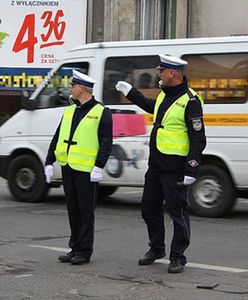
point(34, 35)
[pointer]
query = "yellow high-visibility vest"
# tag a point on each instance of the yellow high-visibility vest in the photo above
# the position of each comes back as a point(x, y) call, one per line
point(173, 137)
point(84, 146)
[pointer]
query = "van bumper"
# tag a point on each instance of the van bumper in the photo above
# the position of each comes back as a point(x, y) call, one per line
point(4, 162)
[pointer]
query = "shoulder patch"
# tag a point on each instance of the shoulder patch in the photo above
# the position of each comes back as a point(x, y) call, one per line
point(197, 124)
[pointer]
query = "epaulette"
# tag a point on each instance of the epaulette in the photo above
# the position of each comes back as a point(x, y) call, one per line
point(192, 97)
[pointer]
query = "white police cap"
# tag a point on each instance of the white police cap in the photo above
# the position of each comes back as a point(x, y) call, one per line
point(171, 62)
point(80, 78)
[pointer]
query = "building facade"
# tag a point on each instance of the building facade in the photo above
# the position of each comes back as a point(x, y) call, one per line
point(113, 20)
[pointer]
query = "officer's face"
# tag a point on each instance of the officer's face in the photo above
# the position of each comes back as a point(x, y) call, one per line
point(166, 75)
point(76, 90)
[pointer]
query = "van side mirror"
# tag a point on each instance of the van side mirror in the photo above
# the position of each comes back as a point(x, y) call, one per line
point(26, 102)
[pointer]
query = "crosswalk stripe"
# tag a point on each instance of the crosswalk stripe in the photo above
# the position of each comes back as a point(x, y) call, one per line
point(162, 261)
point(208, 267)
point(58, 249)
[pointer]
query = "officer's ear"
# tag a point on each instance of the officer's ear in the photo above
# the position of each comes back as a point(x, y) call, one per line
point(82, 88)
point(172, 73)
point(178, 74)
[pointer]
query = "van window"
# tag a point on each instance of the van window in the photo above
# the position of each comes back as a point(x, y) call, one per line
point(138, 70)
point(57, 89)
point(219, 78)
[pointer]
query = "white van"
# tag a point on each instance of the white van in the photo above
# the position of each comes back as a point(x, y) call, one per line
point(217, 69)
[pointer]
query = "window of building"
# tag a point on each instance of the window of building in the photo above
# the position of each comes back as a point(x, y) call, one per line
point(57, 89)
point(219, 78)
point(150, 19)
point(138, 70)
point(95, 26)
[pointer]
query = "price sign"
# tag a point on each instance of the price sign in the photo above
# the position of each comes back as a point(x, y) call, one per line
point(51, 23)
point(38, 33)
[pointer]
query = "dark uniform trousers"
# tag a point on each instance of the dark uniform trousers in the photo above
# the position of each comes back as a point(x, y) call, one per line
point(168, 186)
point(80, 195)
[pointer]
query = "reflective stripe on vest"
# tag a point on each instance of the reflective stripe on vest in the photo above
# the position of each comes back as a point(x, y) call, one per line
point(84, 146)
point(173, 137)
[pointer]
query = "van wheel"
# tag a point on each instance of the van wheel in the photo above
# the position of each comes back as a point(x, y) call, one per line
point(212, 194)
point(114, 166)
point(26, 179)
point(105, 191)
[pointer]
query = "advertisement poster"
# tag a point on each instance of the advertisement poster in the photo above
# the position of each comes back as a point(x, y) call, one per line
point(34, 36)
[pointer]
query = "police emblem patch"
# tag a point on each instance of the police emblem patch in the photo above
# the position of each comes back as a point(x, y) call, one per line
point(197, 124)
point(193, 163)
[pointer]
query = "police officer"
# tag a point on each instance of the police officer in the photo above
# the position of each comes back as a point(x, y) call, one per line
point(81, 145)
point(176, 144)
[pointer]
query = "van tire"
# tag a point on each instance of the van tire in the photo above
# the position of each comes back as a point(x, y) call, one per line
point(105, 191)
point(114, 166)
point(213, 194)
point(26, 179)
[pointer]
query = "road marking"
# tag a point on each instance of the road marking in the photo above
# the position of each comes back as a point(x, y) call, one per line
point(25, 275)
point(162, 261)
point(51, 248)
point(208, 267)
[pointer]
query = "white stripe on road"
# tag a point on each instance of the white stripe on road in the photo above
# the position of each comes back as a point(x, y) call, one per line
point(163, 261)
point(24, 275)
point(208, 267)
point(51, 248)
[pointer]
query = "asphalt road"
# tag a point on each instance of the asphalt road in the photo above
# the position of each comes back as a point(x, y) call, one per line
point(33, 235)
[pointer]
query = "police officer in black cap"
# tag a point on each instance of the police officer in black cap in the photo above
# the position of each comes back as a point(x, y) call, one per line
point(176, 144)
point(81, 145)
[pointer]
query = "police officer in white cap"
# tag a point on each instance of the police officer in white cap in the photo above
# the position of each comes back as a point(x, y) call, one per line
point(176, 144)
point(81, 145)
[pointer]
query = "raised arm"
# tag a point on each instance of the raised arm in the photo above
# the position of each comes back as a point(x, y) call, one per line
point(135, 96)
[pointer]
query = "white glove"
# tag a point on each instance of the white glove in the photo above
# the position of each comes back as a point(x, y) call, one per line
point(188, 180)
point(124, 87)
point(96, 174)
point(48, 173)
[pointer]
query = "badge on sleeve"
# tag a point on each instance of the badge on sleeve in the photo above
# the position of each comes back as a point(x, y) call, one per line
point(197, 124)
point(193, 163)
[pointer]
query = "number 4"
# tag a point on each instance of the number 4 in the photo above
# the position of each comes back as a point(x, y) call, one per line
point(28, 27)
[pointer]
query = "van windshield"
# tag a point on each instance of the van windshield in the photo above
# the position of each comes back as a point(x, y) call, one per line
point(57, 89)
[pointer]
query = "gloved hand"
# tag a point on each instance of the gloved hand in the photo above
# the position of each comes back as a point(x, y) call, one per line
point(48, 173)
point(124, 87)
point(96, 174)
point(188, 180)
